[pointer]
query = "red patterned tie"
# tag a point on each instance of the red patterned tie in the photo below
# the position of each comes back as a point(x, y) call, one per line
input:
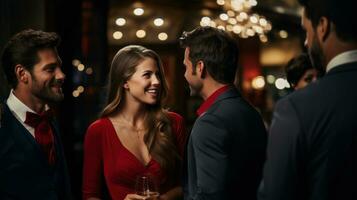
point(43, 132)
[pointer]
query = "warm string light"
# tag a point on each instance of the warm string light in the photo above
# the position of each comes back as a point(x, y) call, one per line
point(237, 18)
point(259, 82)
point(120, 21)
point(140, 33)
point(78, 91)
point(139, 11)
point(162, 36)
point(80, 67)
point(158, 21)
point(117, 35)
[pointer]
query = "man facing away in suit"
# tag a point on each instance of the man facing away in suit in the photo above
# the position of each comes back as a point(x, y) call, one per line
point(32, 163)
point(226, 148)
point(312, 148)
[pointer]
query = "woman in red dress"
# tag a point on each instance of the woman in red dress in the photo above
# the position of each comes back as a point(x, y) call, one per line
point(135, 135)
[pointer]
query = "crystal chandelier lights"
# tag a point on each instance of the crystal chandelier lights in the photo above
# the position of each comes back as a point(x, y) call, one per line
point(237, 18)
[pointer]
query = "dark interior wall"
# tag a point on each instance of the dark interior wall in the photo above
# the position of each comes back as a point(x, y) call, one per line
point(16, 15)
point(64, 19)
point(82, 27)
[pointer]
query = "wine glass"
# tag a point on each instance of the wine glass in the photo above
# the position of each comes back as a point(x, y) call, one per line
point(146, 186)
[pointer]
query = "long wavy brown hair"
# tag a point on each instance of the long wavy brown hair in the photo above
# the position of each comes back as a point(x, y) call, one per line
point(159, 139)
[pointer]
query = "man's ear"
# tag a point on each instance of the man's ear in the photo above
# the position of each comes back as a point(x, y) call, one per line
point(323, 29)
point(22, 74)
point(200, 69)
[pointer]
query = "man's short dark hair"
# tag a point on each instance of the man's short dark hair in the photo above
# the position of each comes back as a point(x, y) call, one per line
point(216, 49)
point(342, 13)
point(22, 49)
point(296, 68)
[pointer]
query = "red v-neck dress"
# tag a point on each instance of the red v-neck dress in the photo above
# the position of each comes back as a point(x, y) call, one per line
point(107, 161)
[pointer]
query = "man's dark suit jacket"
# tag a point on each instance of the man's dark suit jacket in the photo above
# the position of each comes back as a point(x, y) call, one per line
point(226, 151)
point(24, 170)
point(312, 150)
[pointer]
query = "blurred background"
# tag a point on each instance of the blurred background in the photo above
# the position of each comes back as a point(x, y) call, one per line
point(268, 33)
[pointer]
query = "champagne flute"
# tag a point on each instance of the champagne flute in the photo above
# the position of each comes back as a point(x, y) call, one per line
point(146, 186)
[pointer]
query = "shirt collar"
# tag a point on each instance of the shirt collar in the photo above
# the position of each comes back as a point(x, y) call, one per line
point(17, 107)
point(211, 99)
point(342, 58)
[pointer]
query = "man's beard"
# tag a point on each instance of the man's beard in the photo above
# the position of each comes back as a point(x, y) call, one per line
point(317, 57)
point(46, 93)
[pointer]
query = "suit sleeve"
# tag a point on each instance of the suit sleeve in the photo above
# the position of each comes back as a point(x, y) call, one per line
point(280, 170)
point(209, 144)
point(93, 162)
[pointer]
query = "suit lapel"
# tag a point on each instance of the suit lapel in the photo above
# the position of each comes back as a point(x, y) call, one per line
point(22, 138)
point(57, 139)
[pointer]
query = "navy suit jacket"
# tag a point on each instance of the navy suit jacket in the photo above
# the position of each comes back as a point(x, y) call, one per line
point(24, 170)
point(226, 151)
point(312, 149)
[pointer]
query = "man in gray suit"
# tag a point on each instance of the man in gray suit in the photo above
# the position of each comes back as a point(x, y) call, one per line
point(312, 149)
point(226, 148)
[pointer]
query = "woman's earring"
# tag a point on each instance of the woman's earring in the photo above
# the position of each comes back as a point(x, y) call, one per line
point(126, 86)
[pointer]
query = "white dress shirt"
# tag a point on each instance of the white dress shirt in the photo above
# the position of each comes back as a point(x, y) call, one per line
point(19, 110)
point(342, 58)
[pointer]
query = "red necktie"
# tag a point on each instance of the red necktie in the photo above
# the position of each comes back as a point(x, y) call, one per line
point(43, 133)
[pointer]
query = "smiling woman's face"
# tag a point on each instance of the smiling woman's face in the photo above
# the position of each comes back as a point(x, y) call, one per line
point(144, 85)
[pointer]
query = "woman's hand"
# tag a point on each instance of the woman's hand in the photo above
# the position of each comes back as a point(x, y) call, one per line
point(164, 197)
point(174, 193)
point(135, 197)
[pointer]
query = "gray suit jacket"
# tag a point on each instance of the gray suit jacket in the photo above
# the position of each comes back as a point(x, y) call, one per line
point(24, 170)
point(312, 149)
point(226, 151)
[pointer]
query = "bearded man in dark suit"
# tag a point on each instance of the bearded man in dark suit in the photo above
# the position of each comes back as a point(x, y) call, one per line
point(32, 163)
point(312, 149)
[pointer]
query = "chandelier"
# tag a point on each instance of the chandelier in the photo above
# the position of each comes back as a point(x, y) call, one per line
point(238, 18)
